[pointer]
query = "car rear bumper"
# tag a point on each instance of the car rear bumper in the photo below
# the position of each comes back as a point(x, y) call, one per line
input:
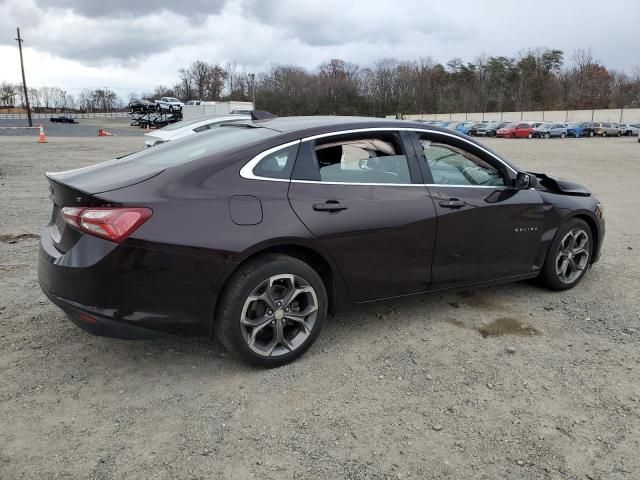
point(130, 291)
point(99, 322)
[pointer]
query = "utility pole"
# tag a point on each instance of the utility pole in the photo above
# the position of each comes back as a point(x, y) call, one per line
point(24, 82)
point(253, 88)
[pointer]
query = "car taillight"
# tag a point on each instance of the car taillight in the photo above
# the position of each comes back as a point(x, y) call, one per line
point(112, 223)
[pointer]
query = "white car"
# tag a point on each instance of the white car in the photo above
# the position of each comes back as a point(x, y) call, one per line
point(169, 103)
point(189, 127)
point(630, 129)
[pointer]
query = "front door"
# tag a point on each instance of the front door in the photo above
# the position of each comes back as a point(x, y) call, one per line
point(361, 194)
point(487, 229)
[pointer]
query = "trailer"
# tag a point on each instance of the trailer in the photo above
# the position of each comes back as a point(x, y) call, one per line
point(206, 109)
point(155, 119)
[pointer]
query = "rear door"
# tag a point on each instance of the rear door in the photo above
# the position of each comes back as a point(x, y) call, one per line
point(523, 130)
point(362, 195)
point(487, 229)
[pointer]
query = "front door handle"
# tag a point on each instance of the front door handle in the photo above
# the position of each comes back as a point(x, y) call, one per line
point(331, 206)
point(452, 203)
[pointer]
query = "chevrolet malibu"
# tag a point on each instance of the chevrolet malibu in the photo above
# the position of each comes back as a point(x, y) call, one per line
point(258, 230)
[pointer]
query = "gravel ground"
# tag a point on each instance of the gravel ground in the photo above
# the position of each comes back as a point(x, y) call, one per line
point(406, 389)
point(85, 128)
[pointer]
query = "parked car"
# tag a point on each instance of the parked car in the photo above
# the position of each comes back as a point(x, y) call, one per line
point(607, 129)
point(186, 128)
point(193, 102)
point(580, 129)
point(473, 130)
point(170, 104)
point(63, 119)
point(142, 106)
point(258, 234)
point(549, 129)
point(516, 130)
point(490, 129)
point(629, 129)
point(464, 127)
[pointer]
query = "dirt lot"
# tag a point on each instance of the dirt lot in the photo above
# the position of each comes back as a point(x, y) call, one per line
point(407, 389)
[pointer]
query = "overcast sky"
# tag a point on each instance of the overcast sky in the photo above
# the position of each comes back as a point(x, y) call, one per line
point(133, 45)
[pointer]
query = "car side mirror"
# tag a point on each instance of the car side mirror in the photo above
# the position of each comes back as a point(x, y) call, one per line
point(523, 180)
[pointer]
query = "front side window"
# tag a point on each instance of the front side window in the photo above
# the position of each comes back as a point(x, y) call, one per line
point(370, 158)
point(451, 165)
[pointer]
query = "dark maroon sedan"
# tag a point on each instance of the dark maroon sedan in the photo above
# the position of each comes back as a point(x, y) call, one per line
point(260, 230)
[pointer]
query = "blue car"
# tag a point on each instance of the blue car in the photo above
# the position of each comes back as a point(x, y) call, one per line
point(580, 129)
point(464, 127)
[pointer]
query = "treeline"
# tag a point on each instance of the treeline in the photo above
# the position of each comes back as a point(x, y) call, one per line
point(47, 99)
point(535, 79)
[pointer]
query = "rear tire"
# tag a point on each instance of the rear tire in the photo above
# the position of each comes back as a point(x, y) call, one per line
point(251, 321)
point(604, 134)
point(530, 135)
point(569, 256)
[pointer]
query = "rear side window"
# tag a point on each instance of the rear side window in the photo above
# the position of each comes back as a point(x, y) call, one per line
point(370, 158)
point(278, 164)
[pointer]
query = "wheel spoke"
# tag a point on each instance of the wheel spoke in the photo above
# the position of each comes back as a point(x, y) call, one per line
point(293, 294)
point(254, 332)
point(574, 266)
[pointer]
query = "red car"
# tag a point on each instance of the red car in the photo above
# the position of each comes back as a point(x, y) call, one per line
point(516, 130)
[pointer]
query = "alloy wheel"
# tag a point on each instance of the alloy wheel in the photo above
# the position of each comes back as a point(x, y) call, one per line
point(279, 315)
point(573, 255)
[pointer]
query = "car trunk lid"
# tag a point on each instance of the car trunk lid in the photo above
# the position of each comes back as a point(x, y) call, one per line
point(79, 188)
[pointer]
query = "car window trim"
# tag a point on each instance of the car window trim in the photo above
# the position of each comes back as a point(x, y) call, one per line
point(247, 170)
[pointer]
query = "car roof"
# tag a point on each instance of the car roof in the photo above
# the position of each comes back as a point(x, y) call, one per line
point(321, 124)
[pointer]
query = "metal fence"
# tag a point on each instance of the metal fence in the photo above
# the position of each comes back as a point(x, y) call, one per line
point(46, 116)
point(618, 115)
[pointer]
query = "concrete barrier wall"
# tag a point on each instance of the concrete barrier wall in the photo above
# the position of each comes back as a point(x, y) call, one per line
point(628, 115)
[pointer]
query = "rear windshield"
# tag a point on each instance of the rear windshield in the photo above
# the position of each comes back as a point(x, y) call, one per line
point(199, 146)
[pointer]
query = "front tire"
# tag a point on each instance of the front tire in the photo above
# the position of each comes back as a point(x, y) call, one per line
point(272, 310)
point(568, 257)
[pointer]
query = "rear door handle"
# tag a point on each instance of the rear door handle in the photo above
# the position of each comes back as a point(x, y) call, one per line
point(331, 206)
point(452, 203)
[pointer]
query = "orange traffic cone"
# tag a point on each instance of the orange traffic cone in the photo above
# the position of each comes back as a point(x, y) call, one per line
point(100, 132)
point(42, 138)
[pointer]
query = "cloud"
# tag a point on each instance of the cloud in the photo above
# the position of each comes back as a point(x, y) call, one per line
point(141, 43)
point(129, 8)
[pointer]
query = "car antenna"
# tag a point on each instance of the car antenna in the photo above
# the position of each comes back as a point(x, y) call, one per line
point(261, 115)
